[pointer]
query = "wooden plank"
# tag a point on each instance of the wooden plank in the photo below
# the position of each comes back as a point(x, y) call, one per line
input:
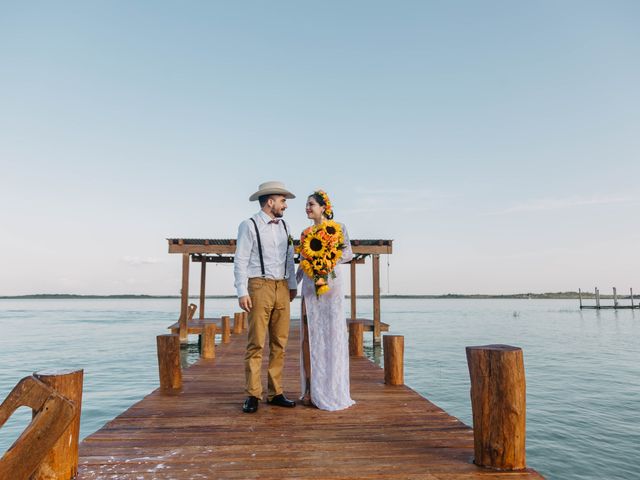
point(391, 432)
point(196, 325)
point(203, 281)
point(231, 249)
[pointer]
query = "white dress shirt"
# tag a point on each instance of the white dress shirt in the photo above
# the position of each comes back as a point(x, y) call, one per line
point(274, 241)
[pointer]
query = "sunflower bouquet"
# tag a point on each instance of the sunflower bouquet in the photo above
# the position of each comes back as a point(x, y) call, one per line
point(320, 250)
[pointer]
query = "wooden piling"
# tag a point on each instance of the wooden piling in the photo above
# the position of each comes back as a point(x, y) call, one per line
point(615, 298)
point(184, 293)
point(356, 331)
point(631, 294)
point(226, 329)
point(393, 346)
point(208, 341)
point(498, 401)
point(61, 463)
point(597, 298)
point(245, 320)
point(169, 362)
point(580, 297)
point(203, 281)
point(353, 297)
point(237, 323)
point(376, 298)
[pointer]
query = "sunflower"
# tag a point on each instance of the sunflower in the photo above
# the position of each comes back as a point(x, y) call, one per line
point(322, 290)
point(306, 267)
point(313, 246)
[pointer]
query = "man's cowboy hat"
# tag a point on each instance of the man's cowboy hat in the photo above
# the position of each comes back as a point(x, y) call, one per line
point(271, 188)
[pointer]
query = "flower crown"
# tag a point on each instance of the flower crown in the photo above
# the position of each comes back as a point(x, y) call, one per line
point(328, 209)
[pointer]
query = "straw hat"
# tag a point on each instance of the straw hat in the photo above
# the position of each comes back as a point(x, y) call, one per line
point(271, 188)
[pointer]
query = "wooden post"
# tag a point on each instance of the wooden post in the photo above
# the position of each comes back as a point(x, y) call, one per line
point(237, 323)
point(61, 463)
point(580, 297)
point(597, 298)
point(245, 320)
point(376, 299)
point(169, 362)
point(208, 341)
point(498, 401)
point(226, 329)
point(356, 330)
point(615, 298)
point(631, 291)
point(203, 281)
point(185, 298)
point(353, 290)
point(393, 359)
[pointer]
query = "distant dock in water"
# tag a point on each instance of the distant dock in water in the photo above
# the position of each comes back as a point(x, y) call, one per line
point(616, 301)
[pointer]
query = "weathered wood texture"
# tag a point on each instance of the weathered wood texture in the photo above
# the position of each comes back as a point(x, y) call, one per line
point(226, 329)
point(237, 323)
point(53, 415)
point(498, 400)
point(393, 348)
point(392, 432)
point(209, 341)
point(356, 348)
point(169, 368)
point(61, 463)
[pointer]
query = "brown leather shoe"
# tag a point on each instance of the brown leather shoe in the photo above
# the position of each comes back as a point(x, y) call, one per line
point(250, 405)
point(281, 401)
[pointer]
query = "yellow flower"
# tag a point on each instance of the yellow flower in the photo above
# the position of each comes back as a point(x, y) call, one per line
point(313, 246)
point(322, 290)
point(306, 267)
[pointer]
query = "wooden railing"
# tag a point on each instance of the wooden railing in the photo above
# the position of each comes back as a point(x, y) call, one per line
point(48, 447)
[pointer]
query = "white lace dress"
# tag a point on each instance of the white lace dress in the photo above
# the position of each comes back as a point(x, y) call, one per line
point(328, 339)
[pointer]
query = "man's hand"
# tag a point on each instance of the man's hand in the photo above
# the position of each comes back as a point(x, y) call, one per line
point(292, 294)
point(245, 303)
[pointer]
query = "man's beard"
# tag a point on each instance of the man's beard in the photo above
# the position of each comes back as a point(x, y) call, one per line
point(277, 214)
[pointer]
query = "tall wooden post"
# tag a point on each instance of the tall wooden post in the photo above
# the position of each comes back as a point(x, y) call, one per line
point(208, 341)
point(393, 359)
point(61, 463)
point(226, 329)
point(237, 323)
point(498, 401)
point(185, 298)
point(203, 281)
point(169, 367)
point(631, 291)
point(615, 298)
point(580, 297)
point(597, 298)
point(353, 290)
point(356, 330)
point(376, 298)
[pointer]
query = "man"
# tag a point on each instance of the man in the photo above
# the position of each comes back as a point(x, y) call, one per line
point(265, 281)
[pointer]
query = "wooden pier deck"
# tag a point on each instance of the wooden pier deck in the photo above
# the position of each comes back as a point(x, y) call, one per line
point(200, 433)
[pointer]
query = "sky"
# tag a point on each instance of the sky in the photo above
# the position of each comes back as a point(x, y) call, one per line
point(496, 143)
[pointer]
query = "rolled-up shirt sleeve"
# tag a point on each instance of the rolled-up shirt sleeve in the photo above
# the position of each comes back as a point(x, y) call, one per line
point(244, 244)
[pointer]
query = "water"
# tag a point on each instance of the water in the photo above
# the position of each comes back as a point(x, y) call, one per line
point(583, 374)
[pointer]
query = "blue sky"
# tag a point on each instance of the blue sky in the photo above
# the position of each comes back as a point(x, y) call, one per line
point(495, 142)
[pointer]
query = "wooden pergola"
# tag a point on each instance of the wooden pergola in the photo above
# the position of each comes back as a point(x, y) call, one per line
point(205, 251)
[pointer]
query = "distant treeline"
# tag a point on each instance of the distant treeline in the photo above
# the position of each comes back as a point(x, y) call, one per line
point(525, 296)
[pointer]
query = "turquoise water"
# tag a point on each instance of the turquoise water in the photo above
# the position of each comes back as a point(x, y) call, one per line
point(583, 368)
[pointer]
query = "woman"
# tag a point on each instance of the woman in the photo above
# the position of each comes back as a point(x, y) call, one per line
point(325, 350)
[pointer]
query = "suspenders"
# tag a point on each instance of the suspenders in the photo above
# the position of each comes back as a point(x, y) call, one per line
point(255, 225)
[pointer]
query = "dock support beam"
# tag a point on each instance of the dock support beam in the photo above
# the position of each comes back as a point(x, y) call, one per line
point(203, 281)
point(376, 299)
point(62, 460)
point(208, 341)
point(498, 402)
point(237, 323)
point(353, 290)
point(393, 359)
point(226, 329)
point(185, 298)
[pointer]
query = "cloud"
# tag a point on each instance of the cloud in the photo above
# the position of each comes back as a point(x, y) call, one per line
point(547, 204)
point(137, 261)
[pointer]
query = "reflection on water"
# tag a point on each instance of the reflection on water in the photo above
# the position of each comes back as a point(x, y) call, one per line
point(583, 374)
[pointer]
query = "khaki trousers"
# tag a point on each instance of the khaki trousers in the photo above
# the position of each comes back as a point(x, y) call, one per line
point(270, 313)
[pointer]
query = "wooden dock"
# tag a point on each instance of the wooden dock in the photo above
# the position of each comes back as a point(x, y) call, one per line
point(201, 432)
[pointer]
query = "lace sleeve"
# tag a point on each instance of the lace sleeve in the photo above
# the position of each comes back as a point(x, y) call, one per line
point(347, 253)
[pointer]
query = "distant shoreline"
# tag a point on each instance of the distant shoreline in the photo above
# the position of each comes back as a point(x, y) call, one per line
point(517, 296)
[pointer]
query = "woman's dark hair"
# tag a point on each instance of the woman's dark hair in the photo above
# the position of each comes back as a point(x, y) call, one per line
point(320, 199)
